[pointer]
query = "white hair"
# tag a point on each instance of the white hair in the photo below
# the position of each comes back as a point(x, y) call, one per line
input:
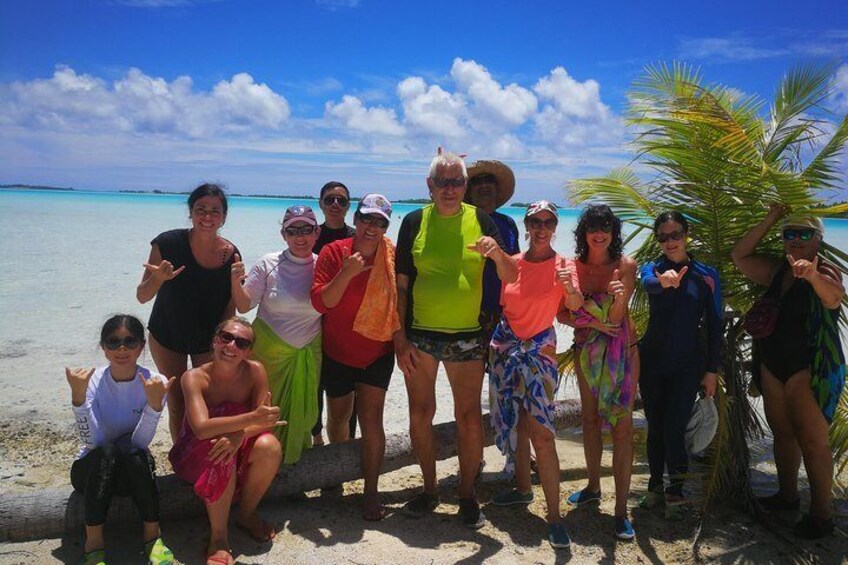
point(447, 159)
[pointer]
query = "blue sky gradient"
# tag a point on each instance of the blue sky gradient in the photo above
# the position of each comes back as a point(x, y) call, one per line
point(279, 97)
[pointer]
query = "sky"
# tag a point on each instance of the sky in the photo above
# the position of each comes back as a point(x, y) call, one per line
point(281, 97)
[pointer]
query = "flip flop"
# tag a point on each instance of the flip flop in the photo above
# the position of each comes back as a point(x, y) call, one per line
point(370, 516)
point(220, 557)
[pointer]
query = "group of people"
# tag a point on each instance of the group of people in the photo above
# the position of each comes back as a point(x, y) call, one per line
point(341, 305)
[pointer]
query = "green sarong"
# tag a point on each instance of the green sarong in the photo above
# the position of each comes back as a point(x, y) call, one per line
point(293, 379)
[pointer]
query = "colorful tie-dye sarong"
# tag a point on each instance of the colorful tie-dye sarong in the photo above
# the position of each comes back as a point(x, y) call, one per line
point(603, 359)
point(293, 375)
point(189, 458)
point(523, 375)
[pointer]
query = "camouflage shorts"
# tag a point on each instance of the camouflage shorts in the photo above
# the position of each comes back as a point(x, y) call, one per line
point(450, 350)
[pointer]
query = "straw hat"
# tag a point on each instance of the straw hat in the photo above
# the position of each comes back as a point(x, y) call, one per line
point(503, 174)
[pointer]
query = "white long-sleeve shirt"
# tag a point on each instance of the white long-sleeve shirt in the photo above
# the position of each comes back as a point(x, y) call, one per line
point(116, 413)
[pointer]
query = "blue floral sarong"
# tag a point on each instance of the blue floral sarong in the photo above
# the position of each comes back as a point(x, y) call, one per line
point(523, 375)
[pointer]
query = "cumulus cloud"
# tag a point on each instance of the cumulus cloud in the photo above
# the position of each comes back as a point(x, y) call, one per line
point(140, 103)
point(354, 115)
point(572, 112)
point(431, 109)
point(492, 106)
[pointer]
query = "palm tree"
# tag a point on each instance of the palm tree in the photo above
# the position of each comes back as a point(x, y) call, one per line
point(715, 155)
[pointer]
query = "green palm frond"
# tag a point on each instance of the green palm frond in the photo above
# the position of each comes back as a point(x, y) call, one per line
point(839, 434)
point(716, 157)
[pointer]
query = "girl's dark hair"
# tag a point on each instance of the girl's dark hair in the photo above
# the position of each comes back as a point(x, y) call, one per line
point(331, 185)
point(671, 216)
point(118, 321)
point(207, 189)
point(598, 215)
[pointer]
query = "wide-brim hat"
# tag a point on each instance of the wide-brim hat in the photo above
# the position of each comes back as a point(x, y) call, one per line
point(503, 175)
point(702, 426)
point(803, 221)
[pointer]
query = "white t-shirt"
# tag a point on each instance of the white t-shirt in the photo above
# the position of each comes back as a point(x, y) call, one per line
point(280, 283)
point(116, 413)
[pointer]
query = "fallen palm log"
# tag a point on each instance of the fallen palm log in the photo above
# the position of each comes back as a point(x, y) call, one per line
point(53, 512)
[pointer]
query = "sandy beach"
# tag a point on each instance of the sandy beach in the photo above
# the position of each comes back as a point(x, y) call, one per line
point(325, 526)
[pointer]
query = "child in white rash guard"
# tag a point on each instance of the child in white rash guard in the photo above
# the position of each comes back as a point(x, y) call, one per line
point(117, 408)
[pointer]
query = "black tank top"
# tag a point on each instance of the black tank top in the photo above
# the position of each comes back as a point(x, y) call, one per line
point(189, 306)
point(787, 350)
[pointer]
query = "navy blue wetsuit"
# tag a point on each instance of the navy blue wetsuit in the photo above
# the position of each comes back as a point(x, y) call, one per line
point(674, 356)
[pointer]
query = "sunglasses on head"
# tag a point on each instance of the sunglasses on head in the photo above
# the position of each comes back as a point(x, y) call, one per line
point(675, 235)
point(331, 199)
point(605, 227)
point(114, 343)
point(374, 220)
point(444, 183)
point(227, 337)
point(299, 230)
point(804, 234)
point(536, 223)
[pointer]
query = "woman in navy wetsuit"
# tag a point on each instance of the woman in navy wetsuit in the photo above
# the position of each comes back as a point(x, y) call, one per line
point(188, 272)
point(684, 298)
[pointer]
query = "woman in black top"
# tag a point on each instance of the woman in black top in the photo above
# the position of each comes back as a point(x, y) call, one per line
point(188, 272)
point(799, 364)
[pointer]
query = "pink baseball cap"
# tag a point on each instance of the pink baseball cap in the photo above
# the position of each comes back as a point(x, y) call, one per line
point(299, 213)
point(375, 204)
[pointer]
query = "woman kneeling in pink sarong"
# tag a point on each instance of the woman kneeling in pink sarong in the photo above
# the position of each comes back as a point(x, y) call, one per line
point(225, 448)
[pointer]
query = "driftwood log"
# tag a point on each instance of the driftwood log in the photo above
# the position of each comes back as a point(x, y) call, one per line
point(54, 512)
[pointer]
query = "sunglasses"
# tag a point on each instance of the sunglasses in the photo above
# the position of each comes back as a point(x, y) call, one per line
point(227, 338)
point(374, 220)
point(299, 230)
point(790, 234)
point(605, 227)
point(340, 200)
point(675, 235)
point(536, 223)
point(115, 343)
point(444, 183)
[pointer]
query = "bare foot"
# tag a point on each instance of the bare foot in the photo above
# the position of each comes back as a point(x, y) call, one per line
point(372, 510)
point(217, 553)
point(317, 440)
point(256, 527)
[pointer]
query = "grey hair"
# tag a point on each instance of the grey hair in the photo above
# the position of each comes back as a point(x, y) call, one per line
point(447, 159)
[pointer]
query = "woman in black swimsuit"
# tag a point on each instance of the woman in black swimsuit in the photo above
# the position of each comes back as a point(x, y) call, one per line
point(188, 272)
point(798, 408)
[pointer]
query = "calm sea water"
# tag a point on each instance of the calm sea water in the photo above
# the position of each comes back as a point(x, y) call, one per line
point(73, 258)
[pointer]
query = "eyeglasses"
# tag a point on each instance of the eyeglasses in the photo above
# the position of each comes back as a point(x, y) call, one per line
point(214, 212)
point(536, 223)
point(114, 343)
point(374, 220)
point(605, 227)
point(444, 183)
point(227, 337)
point(805, 234)
point(675, 235)
point(299, 230)
point(330, 199)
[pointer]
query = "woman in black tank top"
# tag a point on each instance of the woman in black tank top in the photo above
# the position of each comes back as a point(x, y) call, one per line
point(808, 292)
point(188, 272)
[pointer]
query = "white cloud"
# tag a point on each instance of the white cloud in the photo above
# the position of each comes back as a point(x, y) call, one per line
point(493, 106)
point(142, 104)
point(572, 112)
point(430, 108)
point(734, 48)
point(355, 116)
point(840, 87)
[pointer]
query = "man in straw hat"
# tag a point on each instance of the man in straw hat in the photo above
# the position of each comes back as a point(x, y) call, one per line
point(490, 185)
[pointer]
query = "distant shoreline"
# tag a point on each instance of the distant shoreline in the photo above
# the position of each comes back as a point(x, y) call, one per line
point(47, 188)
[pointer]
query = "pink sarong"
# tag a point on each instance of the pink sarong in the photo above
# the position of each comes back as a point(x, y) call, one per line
point(189, 458)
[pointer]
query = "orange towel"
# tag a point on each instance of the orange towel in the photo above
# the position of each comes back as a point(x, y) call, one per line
point(380, 297)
